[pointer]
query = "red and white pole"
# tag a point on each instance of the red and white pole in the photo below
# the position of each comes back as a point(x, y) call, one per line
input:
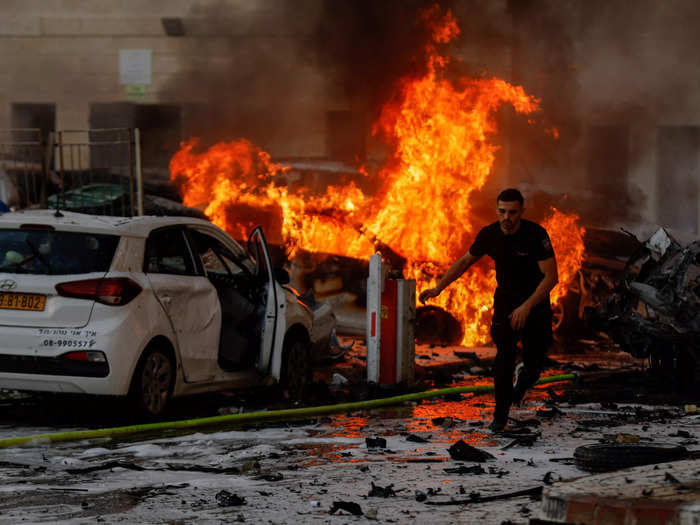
point(391, 313)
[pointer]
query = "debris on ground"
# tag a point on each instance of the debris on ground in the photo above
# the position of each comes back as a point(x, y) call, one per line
point(371, 514)
point(381, 492)
point(671, 478)
point(531, 422)
point(476, 469)
point(681, 434)
point(444, 422)
point(549, 413)
point(626, 438)
point(550, 478)
point(522, 436)
point(525, 440)
point(461, 451)
point(654, 310)
point(347, 506)
point(227, 499)
point(251, 466)
point(476, 497)
point(271, 476)
point(417, 439)
point(375, 442)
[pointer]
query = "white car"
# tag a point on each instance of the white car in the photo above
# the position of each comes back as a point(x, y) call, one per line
point(149, 307)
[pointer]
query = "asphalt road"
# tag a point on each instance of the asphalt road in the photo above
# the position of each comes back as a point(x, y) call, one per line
point(294, 472)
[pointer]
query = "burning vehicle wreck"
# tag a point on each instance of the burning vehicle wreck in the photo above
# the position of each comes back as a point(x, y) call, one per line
point(654, 312)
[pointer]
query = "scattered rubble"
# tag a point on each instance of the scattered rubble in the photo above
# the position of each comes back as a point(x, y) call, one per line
point(654, 311)
point(461, 451)
point(375, 442)
point(476, 469)
point(227, 499)
point(381, 492)
point(476, 497)
point(417, 439)
point(347, 506)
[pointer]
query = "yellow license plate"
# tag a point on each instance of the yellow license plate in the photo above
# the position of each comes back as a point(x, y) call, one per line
point(22, 301)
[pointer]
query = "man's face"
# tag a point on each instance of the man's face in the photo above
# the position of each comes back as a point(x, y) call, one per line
point(509, 214)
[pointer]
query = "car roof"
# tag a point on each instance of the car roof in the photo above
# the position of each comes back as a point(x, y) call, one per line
point(71, 221)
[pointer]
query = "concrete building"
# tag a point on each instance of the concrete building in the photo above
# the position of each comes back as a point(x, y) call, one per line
point(620, 85)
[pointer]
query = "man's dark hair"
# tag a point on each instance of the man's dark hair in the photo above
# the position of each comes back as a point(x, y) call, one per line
point(511, 195)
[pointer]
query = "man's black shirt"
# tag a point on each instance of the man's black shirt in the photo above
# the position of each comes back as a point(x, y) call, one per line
point(516, 257)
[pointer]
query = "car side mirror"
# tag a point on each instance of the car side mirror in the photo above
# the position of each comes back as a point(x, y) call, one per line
point(281, 275)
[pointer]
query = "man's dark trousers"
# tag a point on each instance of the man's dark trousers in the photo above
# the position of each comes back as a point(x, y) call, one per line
point(536, 337)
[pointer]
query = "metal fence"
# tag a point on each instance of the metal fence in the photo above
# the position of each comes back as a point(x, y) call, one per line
point(96, 171)
point(24, 163)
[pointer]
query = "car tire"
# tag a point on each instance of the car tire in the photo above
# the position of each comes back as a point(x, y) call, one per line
point(152, 384)
point(296, 367)
point(565, 319)
point(615, 456)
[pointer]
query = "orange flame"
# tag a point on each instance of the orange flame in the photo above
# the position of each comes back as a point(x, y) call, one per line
point(439, 132)
point(567, 240)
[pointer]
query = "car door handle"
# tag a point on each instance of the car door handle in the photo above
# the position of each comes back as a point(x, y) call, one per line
point(166, 299)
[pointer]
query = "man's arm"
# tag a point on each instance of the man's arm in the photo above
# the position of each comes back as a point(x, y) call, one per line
point(460, 266)
point(549, 268)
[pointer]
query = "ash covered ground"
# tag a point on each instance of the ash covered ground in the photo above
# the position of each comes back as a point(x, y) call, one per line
point(294, 472)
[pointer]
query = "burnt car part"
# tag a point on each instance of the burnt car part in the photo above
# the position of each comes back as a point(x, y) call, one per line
point(654, 310)
point(602, 457)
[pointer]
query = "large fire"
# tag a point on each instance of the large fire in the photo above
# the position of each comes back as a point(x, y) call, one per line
point(440, 135)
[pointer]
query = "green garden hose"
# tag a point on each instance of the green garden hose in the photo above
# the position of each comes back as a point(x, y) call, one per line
point(252, 417)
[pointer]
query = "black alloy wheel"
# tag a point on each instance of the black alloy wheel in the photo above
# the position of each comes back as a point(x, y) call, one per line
point(296, 368)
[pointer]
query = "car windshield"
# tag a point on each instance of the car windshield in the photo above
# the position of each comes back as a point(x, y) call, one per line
point(46, 252)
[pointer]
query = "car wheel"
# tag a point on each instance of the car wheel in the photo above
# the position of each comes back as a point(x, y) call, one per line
point(616, 456)
point(152, 385)
point(296, 369)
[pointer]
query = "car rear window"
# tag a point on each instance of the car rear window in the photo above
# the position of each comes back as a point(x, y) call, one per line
point(46, 252)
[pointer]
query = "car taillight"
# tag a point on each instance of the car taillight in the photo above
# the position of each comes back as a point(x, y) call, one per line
point(115, 291)
point(92, 356)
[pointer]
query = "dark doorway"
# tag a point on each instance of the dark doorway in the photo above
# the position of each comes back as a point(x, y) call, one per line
point(160, 126)
point(677, 176)
point(25, 117)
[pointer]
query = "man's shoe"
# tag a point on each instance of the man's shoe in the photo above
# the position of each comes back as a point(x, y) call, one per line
point(497, 424)
point(519, 388)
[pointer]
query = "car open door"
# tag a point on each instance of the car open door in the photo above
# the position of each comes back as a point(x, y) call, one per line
point(189, 300)
point(273, 325)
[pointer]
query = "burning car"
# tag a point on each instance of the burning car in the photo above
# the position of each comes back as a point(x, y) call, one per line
point(146, 307)
point(654, 311)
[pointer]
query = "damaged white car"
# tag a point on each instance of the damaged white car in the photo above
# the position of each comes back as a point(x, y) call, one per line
point(146, 307)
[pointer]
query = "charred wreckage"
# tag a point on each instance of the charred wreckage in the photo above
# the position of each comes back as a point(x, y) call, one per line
point(654, 311)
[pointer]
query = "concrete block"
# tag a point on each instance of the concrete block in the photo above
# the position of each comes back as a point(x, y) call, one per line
point(60, 25)
point(107, 64)
point(22, 25)
point(101, 25)
point(166, 64)
point(120, 25)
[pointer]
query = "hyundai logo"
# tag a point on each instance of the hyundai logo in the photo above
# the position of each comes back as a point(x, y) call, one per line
point(8, 284)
